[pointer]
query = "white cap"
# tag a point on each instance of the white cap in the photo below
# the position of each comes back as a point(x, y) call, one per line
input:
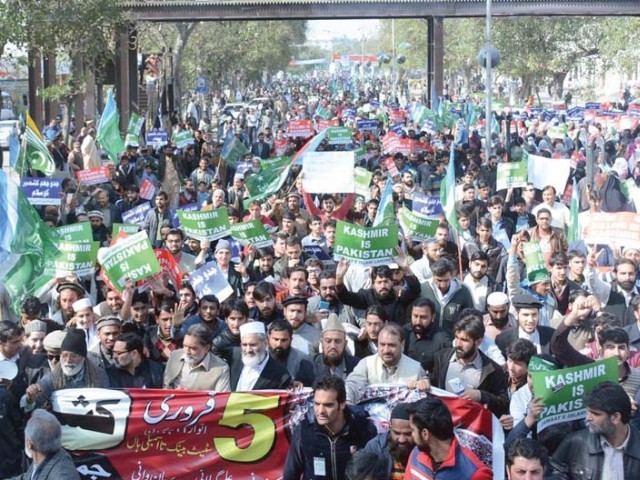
point(82, 304)
point(8, 370)
point(497, 299)
point(252, 328)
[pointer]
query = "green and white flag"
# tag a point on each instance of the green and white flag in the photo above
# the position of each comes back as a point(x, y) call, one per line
point(418, 227)
point(183, 138)
point(366, 246)
point(363, 181)
point(323, 113)
point(133, 130)
point(34, 152)
point(339, 135)
point(74, 258)
point(76, 232)
point(251, 233)
point(131, 257)
point(233, 151)
point(205, 225)
point(264, 183)
point(108, 134)
point(513, 174)
point(448, 191)
point(573, 230)
point(563, 391)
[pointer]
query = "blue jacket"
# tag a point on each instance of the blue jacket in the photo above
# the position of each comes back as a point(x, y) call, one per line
point(378, 445)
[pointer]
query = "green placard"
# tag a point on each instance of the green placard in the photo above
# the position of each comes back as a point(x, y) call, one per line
point(127, 228)
point(182, 139)
point(359, 154)
point(131, 257)
point(252, 233)
point(557, 131)
point(208, 225)
point(275, 162)
point(133, 129)
point(512, 174)
point(534, 260)
point(76, 232)
point(418, 227)
point(563, 391)
point(339, 135)
point(362, 181)
point(366, 246)
point(78, 258)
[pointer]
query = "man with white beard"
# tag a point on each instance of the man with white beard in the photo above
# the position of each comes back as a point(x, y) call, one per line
point(74, 370)
point(194, 367)
point(252, 367)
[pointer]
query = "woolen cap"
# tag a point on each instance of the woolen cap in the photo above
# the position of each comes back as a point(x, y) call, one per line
point(75, 342)
point(333, 323)
point(526, 301)
point(35, 326)
point(108, 321)
point(53, 341)
point(294, 301)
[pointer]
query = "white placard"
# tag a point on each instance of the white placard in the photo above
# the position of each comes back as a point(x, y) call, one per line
point(545, 171)
point(328, 172)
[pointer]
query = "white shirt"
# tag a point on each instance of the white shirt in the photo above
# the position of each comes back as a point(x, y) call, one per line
point(249, 375)
point(519, 404)
point(479, 291)
point(613, 466)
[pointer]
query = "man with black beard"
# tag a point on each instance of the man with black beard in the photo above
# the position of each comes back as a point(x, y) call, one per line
point(252, 367)
point(334, 359)
point(266, 310)
point(382, 291)
point(297, 363)
point(467, 372)
point(327, 287)
point(424, 338)
point(497, 319)
point(395, 445)
point(615, 296)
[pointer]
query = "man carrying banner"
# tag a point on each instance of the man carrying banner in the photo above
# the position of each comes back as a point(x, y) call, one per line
point(609, 447)
point(322, 448)
point(194, 367)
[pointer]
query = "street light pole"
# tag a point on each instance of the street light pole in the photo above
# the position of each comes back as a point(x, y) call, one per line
point(488, 86)
point(393, 56)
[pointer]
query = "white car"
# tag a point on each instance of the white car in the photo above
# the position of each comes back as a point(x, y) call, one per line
point(6, 127)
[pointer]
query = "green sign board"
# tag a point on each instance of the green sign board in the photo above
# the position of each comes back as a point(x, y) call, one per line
point(534, 260)
point(76, 232)
point(418, 227)
point(366, 246)
point(251, 233)
point(339, 135)
point(205, 225)
point(74, 257)
point(127, 228)
point(563, 391)
point(131, 257)
point(184, 138)
point(510, 175)
point(362, 181)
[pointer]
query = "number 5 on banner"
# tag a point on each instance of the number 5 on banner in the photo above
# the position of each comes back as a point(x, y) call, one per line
point(235, 416)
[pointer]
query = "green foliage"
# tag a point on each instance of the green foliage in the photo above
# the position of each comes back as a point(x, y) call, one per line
point(223, 50)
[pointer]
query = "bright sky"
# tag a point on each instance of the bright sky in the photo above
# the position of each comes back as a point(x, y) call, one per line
point(325, 30)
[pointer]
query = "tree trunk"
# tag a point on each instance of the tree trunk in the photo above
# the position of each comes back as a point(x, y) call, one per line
point(184, 32)
point(558, 83)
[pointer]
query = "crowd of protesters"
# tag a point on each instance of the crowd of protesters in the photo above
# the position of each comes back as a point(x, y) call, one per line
point(461, 312)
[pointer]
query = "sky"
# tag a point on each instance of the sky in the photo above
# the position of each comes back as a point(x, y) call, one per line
point(320, 31)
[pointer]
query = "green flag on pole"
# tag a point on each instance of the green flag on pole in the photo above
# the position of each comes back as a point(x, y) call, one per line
point(34, 152)
point(573, 232)
point(448, 191)
point(108, 134)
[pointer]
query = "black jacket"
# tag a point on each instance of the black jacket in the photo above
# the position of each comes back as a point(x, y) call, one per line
point(224, 343)
point(394, 306)
point(580, 456)
point(507, 337)
point(493, 381)
point(321, 369)
point(149, 374)
point(424, 349)
point(311, 441)
point(273, 377)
